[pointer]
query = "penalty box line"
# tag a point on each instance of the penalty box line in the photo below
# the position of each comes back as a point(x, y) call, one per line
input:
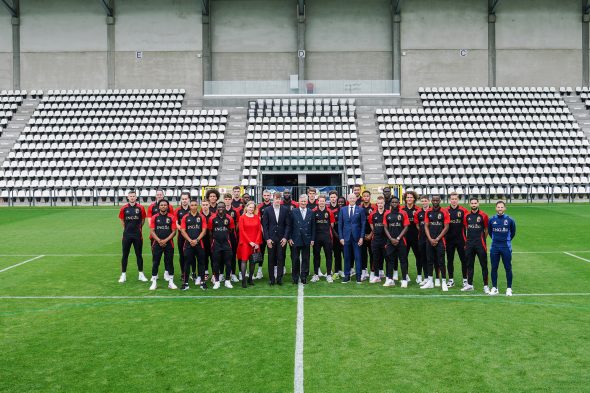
point(21, 263)
point(575, 256)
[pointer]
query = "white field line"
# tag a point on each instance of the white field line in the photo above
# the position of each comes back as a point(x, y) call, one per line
point(335, 296)
point(575, 256)
point(298, 374)
point(21, 263)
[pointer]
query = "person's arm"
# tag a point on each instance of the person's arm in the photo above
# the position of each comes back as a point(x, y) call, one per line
point(312, 228)
point(512, 228)
point(153, 230)
point(171, 236)
point(265, 228)
point(363, 226)
point(143, 215)
point(204, 228)
point(416, 220)
point(406, 224)
point(485, 226)
point(341, 226)
point(385, 227)
point(292, 215)
point(182, 230)
point(446, 220)
point(122, 216)
point(427, 229)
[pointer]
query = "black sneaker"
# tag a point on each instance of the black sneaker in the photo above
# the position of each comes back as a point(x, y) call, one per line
point(184, 287)
point(204, 286)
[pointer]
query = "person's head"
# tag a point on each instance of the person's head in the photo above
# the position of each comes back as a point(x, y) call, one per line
point(266, 196)
point(322, 202)
point(351, 198)
point(436, 201)
point(185, 199)
point(276, 199)
point(205, 206)
point(159, 195)
point(163, 206)
point(380, 202)
point(227, 198)
point(311, 193)
point(366, 197)
point(341, 201)
point(287, 194)
point(250, 207)
point(454, 198)
point(410, 198)
point(333, 197)
point(474, 203)
point(356, 190)
point(246, 197)
point(303, 199)
point(236, 192)
point(387, 192)
point(132, 196)
point(394, 203)
point(424, 201)
point(212, 196)
point(221, 208)
point(194, 206)
point(500, 207)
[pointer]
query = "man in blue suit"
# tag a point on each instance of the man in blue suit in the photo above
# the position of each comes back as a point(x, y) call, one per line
point(301, 239)
point(351, 230)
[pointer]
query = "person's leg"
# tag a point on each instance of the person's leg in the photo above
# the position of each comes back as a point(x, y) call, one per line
point(280, 261)
point(317, 255)
point(389, 265)
point(228, 257)
point(295, 262)
point(430, 260)
point(348, 255)
point(358, 260)
point(138, 248)
point(413, 244)
point(189, 253)
point(495, 261)
point(328, 252)
point(337, 250)
point(181, 241)
point(482, 255)
point(451, 247)
point(403, 258)
point(305, 251)
point(215, 262)
point(157, 252)
point(234, 256)
point(169, 258)
point(126, 243)
point(252, 267)
point(461, 252)
point(364, 252)
point(272, 262)
point(440, 252)
point(470, 257)
point(507, 261)
point(202, 263)
point(243, 271)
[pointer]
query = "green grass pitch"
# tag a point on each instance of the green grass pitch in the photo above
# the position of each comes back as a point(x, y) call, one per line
point(67, 325)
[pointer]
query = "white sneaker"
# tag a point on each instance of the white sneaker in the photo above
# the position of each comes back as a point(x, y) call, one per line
point(222, 277)
point(451, 283)
point(240, 276)
point(404, 283)
point(142, 277)
point(375, 280)
point(381, 274)
point(464, 281)
point(315, 278)
point(493, 291)
point(228, 284)
point(154, 283)
point(352, 273)
point(467, 287)
point(408, 277)
point(486, 290)
point(364, 275)
point(371, 276)
point(437, 282)
point(123, 278)
point(395, 277)
point(427, 284)
point(320, 274)
point(166, 275)
point(216, 285)
point(171, 284)
point(508, 291)
point(213, 280)
point(198, 280)
point(419, 279)
point(389, 283)
point(234, 278)
point(259, 275)
point(329, 278)
point(341, 274)
point(284, 271)
point(444, 287)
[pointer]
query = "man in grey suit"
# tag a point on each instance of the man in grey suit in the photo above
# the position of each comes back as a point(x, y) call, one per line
point(351, 231)
point(301, 239)
point(276, 225)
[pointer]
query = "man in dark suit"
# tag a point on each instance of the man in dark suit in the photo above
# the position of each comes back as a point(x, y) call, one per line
point(351, 231)
point(302, 235)
point(276, 226)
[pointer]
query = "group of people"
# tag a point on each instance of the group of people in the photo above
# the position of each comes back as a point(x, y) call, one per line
point(368, 241)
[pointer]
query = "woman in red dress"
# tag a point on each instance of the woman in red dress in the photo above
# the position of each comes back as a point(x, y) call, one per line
point(250, 231)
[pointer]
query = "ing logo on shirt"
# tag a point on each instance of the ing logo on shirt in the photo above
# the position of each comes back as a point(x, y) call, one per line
point(136, 211)
point(167, 221)
point(459, 214)
point(399, 216)
point(478, 219)
point(505, 222)
point(439, 216)
point(225, 222)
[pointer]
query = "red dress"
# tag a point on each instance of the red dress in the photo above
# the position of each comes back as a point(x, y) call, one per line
point(250, 231)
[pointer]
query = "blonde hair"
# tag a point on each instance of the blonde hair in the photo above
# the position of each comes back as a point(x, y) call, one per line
point(253, 204)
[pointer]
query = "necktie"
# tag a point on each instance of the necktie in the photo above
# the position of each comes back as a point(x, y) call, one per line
point(351, 211)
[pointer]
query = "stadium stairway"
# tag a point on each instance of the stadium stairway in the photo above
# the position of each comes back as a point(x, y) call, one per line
point(579, 111)
point(16, 125)
point(232, 156)
point(372, 164)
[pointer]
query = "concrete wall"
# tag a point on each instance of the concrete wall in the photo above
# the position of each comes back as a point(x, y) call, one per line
point(539, 43)
point(5, 51)
point(433, 33)
point(348, 39)
point(63, 44)
point(253, 40)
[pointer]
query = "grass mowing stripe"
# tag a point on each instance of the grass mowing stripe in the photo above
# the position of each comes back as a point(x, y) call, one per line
point(21, 263)
point(575, 256)
point(298, 374)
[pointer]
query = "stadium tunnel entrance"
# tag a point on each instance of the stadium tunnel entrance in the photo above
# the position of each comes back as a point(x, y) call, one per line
point(299, 182)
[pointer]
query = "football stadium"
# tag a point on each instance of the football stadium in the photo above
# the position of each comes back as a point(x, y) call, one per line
point(294, 195)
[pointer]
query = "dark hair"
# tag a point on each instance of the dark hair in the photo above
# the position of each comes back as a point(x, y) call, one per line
point(185, 193)
point(236, 188)
point(277, 195)
point(380, 197)
point(356, 185)
point(502, 202)
point(227, 195)
point(412, 193)
point(473, 199)
point(131, 192)
point(322, 197)
point(194, 200)
point(333, 192)
point(366, 192)
point(212, 191)
point(165, 201)
point(312, 189)
point(386, 188)
point(394, 197)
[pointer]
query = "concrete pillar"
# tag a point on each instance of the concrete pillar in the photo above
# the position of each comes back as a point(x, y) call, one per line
point(492, 49)
point(585, 49)
point(111, 82)
point(207, 66)
point(301, 48)
point(396, 19)
point(16, 50)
